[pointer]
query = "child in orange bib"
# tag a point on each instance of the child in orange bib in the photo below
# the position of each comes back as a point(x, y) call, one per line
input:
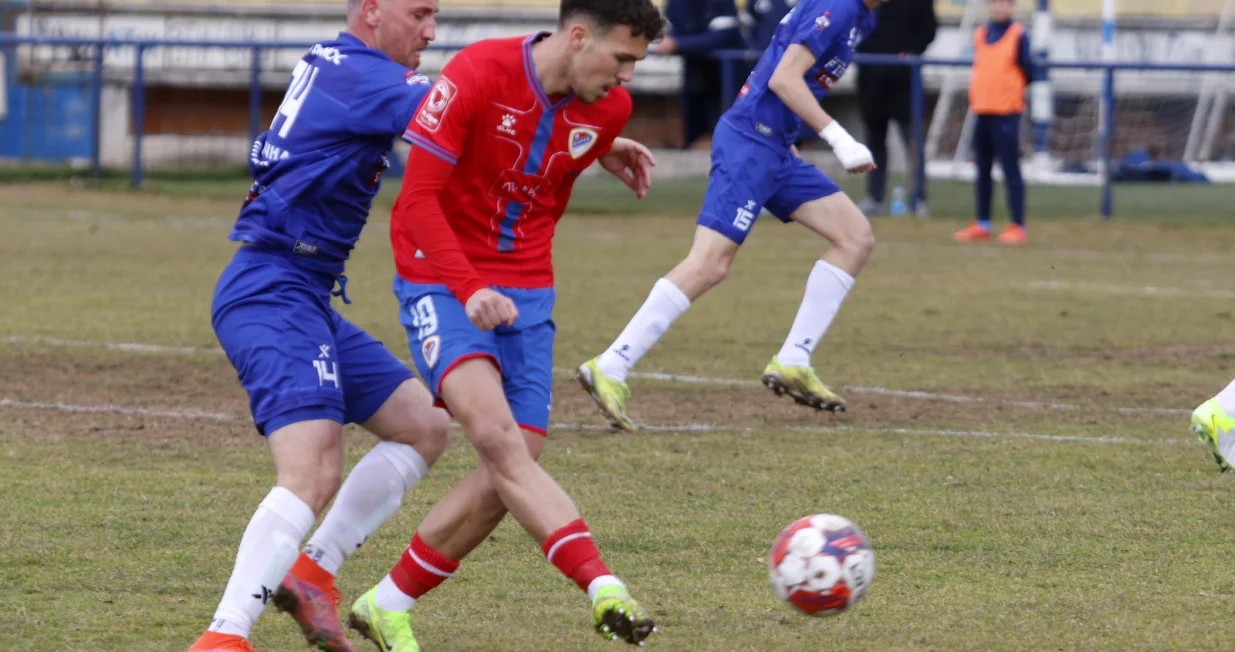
point(1001, 72)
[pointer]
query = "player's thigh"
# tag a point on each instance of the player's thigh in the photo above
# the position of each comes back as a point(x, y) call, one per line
point(439, 333)
point(526, 356)
point(838, 219)
point(806, 195)
point(278, 335)
point(308, 459)
point(744, 174)
point(409, 416)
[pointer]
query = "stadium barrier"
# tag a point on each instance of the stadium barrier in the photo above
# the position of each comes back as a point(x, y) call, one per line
point(90, 54)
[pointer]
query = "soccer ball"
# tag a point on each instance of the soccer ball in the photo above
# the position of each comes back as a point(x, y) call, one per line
point(821, 564)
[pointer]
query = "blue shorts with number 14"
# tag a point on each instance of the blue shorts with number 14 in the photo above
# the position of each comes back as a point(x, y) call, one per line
point(441, 336)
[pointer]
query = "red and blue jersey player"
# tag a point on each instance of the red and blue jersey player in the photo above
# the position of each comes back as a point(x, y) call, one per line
point(496, 148)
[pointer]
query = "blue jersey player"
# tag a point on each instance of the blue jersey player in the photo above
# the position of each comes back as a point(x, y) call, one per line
point(306, 369)
point(756, 167)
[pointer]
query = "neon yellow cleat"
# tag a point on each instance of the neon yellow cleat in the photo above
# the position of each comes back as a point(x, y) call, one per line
point(1216, 429)
point(391, 631)
point(802, 385)
point(610, 394)
point(618, 617)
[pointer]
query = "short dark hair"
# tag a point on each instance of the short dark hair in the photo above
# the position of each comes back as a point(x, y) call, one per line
point(641, 16)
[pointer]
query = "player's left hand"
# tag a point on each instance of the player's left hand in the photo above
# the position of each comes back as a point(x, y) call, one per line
point(632, 163)
point(856, 158)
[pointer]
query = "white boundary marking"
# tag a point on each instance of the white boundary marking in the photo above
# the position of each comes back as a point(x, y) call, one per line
point(116, 409)
point(1146, 290)
point(658, 376)
point(132, 347)
point(693, 427)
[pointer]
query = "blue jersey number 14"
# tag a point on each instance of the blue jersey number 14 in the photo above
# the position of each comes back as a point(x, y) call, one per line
point(302, 80)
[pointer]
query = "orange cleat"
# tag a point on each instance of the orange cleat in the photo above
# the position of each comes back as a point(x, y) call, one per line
point(1014, 234)
point(216, 642)
point(972, 233)
point(309, 596)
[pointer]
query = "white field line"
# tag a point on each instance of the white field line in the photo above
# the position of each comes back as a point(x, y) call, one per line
point(132, 347)
point(1058, 252)
point(116, 409)
point(664, 377)
point(695, 427)
point(1146, 290)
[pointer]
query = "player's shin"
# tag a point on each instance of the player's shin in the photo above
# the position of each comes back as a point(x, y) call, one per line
point(267, 551)
point(371, 494)
point(663, 306)
point(826, 289)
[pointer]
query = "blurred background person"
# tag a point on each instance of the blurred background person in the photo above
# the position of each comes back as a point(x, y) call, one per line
point(698, 28)
point(902, 27)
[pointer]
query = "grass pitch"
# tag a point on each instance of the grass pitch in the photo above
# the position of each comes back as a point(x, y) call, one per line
point(1016, 446)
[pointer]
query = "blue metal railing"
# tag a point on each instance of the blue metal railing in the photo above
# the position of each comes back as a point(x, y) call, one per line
point(728, 58)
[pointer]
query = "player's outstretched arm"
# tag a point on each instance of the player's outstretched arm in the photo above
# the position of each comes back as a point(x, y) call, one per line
point(788, 82)
point(630, 162)
point(419, 218)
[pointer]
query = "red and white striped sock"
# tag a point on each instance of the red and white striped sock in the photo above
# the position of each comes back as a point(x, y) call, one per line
point(571, 549)
point(420, 570)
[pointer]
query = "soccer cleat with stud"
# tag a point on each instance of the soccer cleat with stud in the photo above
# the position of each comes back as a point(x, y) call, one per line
point(1215, 429)
point(610, 394)
point(802, 385)
point(308, 594)
point(618, 617)
point(390, 631)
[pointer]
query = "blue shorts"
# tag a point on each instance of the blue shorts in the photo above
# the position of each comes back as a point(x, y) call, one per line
point(441, 336)
point(749, 175)
point(297, 357)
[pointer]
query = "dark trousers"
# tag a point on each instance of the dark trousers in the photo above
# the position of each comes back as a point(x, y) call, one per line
point(998, 137)
point(883, 96)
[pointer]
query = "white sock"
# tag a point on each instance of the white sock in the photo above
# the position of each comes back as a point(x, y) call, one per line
point(267, 551)
point(825, 291)
point(664, 305)
point(371, 494)
point(603, 580)
point(391, 598)
point(1226, 399)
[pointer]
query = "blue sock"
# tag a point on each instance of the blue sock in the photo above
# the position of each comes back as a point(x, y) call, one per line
point(986, 224)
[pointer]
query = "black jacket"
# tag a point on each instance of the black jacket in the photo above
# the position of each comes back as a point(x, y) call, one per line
point(901, 26)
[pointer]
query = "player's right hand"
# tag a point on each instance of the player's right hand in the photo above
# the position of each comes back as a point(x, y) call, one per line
point(488, 309)
point(856, 157)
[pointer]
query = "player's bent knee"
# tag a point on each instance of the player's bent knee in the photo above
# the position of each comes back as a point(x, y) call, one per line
point(409, 417)
point(427, 431)
point(500, 447)
point(708, 270)
point(864, 241)
point(308, 460)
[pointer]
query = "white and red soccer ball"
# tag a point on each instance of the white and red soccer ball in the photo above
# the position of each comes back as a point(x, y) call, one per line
point(821, 564)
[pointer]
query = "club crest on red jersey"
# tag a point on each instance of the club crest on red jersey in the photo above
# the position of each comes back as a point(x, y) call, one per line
point(580, 141)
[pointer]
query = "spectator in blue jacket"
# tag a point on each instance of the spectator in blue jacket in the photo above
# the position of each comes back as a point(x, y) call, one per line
point(698, 28)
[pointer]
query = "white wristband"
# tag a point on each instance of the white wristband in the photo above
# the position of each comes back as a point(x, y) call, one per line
point(835, 135)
